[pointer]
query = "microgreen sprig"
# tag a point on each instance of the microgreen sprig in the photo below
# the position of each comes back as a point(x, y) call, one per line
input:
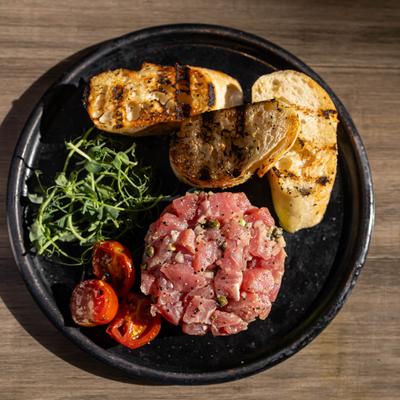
point(102, 192)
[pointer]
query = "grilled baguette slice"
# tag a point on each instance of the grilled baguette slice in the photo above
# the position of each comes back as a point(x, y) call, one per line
point(132, 102)
point(224, 148)
point(301, 181)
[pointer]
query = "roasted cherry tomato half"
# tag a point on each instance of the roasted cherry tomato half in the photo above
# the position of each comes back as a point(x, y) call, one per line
point(112, 262)
point(134, 326)
point(93, 302)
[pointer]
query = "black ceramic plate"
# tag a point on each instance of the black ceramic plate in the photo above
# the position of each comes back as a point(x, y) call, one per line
point(323, 262)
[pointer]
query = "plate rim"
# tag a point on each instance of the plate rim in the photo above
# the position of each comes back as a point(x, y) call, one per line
point(326, 315)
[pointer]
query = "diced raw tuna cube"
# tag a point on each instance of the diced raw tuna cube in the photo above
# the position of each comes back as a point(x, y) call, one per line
point(258, 280)
point(228, 284)
point(183, 277)
point(187, 241)
point(199, 310)
point(224, 323)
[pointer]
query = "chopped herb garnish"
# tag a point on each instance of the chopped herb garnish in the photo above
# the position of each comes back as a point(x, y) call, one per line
point(143, 267)
point(242, 222)
point(150, 251)
point(222, 301)
point(212, 224)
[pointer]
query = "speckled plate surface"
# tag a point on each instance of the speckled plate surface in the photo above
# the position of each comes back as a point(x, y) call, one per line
point(323, 262)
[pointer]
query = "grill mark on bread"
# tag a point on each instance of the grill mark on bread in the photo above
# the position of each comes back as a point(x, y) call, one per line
point(276, 171)
point(240, 120)
point(183, 103)
point(118, 92)
point(118, 119)
point(211, 95)
point(238, 152)
point(303, 191)
point(328, 113)
point(204, 174)
point(322, 180)
point(207, 119)
point(207, 124)
point(163, 80)
point(118, 95)
point(236, 173)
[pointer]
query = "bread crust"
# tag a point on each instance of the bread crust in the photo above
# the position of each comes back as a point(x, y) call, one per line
point(132, 102)
point(225, 148)
point(301, 182)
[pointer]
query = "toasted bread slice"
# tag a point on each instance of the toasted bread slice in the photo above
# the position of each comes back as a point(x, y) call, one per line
point(132, 102)
point(224, 148)
point(301, 181)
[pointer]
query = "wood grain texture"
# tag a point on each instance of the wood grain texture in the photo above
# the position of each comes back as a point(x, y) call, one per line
point(355, 47)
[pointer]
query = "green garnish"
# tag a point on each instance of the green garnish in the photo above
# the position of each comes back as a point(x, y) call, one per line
point(242, 222)
point(143, 267)
point(212, 224)
point(222, 301)
point(149, 251)
point(101, 193)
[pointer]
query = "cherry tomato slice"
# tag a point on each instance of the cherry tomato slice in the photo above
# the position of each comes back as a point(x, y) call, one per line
point(134, 326)
point(93, 302)
point(113, 262)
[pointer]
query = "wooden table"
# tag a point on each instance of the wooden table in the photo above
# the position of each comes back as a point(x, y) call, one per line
point(355, 47)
